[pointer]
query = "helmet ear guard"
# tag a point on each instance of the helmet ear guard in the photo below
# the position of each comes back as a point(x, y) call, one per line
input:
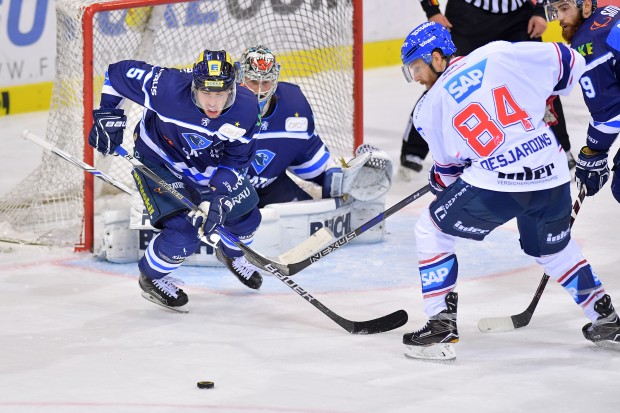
point(422, 42)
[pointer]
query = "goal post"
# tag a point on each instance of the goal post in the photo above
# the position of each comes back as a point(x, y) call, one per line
point(319, 44)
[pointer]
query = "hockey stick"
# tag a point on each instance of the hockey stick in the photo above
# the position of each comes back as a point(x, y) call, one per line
point(294, 267)
point(512, 322)
point(377, 325)
point(315, 242)
point(26, 134)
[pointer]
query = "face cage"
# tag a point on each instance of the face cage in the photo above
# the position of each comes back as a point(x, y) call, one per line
point(272, 76)
point(551, 10)
point(229, 101)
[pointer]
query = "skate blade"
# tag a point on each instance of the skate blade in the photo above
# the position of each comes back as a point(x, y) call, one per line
point(182, 309)
point(608, 345)
point(435, 352)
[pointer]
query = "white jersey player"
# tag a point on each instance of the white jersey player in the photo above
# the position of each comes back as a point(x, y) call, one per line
point(495, 159)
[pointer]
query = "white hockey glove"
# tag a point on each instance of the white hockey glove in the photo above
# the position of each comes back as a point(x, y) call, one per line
point(366, 177)
point(210, 214)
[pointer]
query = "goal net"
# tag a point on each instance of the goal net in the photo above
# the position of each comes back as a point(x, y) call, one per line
point(317, 42)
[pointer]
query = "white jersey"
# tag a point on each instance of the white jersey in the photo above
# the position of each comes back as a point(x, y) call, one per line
point(484, 116)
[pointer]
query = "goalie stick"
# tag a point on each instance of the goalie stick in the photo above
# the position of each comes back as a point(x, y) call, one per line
point(512, 322)
point(292, 268)
point(377, 325)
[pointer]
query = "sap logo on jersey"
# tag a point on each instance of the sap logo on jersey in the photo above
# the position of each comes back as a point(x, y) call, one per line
point(434, 277)
point(464, 83)
point(296, 124)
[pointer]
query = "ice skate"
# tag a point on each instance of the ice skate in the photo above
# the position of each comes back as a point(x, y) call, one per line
point(164, 292)
point(605, 331)
point(246, 273)
point(434, 340)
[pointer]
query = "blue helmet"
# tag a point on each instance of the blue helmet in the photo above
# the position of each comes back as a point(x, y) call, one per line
point(214, 71)
point(425, 38)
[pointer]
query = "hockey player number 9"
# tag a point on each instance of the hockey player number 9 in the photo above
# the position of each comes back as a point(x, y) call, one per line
point(486, 134)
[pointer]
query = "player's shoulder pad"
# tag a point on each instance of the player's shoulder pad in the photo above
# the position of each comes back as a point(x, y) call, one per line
point(245, 108)
point(613, 38)
point(293, 96)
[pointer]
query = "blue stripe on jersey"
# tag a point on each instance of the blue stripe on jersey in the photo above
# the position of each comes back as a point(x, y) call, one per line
point(452, 170)
point(613, 39)
point(566, 56)
point(313, 167)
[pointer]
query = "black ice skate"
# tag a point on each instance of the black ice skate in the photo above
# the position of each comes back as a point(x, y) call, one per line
point(605, 331)
point(243, 270)
point(434, 340)
point(164, 292)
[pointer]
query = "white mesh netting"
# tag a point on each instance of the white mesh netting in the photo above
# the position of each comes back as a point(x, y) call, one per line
point(312, 40)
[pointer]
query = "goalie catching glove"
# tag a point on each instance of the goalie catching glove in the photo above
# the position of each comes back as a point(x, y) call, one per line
point(366, 177)
point(211, 213)
point(107, 131)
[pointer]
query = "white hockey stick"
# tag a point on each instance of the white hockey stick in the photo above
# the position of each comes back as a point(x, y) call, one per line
point(26, 134)
point(308, 247)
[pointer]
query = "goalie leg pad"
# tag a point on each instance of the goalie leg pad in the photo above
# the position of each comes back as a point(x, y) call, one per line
point(168, 249)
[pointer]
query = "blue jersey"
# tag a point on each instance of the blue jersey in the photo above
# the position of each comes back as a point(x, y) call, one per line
point(598, 40)
point(176, 133)
point(288, 141)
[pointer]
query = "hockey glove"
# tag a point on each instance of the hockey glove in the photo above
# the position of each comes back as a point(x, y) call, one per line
point(107, 131)
point(591, 170)
point(435, 181)
point(211, 212)
point(551, 117)
point(615, 182)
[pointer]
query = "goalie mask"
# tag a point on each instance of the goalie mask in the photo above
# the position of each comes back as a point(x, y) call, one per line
point(259, 71)
point(214, 72)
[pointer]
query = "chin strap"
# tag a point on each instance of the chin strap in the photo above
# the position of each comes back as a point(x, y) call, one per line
point(447, 59)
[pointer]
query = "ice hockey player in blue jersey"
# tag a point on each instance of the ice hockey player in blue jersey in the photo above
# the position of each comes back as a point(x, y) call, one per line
point(595, 34)
point(197, 133)
point(288, 141)
point(495, 159)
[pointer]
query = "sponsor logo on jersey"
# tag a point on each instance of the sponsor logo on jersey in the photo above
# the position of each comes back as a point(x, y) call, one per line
point(554, 239)
point(442, 210)
point(196, 141)
point(540, 174)
point(466, 82)
point(434, 277)
point(262, 158)
point(205, 121)
point(340, 225)
point(156, 82)
point(469, 230)
point(517, 153)
point(585, 49)
point(296, 124)
point(231, 132)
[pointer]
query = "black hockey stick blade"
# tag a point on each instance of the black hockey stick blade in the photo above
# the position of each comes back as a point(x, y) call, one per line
point(508, 323)
point(377, 325)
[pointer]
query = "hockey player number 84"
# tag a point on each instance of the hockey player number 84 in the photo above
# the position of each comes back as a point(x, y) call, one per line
point(487, 134)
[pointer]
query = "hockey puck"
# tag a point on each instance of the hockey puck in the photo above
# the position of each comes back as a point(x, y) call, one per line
point(205, 384)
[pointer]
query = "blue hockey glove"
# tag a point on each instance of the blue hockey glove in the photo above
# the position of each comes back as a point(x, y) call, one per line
point(591, 170)
point(107, 131)
point(435, 181)
point(212, 212)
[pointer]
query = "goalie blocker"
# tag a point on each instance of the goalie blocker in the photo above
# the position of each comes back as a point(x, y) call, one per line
point(128, 231)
